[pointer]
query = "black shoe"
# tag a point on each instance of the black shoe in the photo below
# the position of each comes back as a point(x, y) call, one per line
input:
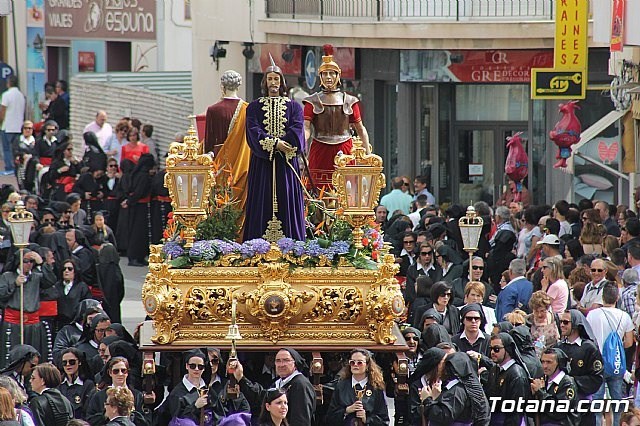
point(136, 263)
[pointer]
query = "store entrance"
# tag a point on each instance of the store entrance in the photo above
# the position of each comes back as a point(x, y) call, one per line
point(481, 152)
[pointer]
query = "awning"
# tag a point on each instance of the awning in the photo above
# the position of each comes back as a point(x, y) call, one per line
point(590, 133)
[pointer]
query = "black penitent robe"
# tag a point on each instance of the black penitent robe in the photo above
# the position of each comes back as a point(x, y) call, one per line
point(373, 402)
point(95, 410)
point(564, 391)
point(78, 395)
point(586, 365)
point(300, 393)
point(511, 384)
point(50, 408)
point(453, 405)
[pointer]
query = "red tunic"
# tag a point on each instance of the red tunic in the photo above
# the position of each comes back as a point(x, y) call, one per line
point(321, 155)
point(219, 116)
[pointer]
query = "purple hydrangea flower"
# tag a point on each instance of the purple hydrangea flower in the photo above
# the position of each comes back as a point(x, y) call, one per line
point(313, 249)
point(226, 247)
point(299, 248)
point(172, 249)
point(256, 246)
point(286, 244)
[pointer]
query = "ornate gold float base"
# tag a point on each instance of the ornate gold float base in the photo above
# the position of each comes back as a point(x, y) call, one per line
point(277, 305)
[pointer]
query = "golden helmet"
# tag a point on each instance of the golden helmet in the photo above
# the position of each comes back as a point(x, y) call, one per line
point(328, 63)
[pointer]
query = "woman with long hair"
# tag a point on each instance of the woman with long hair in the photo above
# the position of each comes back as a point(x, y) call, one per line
point(554, 284)
point(360, 393)
point(63, 172)
point(50, 406)
point(72, 290)
point(117, 372)
point(441, 296)
point(7, 410)
point(118, 406)
point(274, 408)
point(76, 384)
point(102, 233)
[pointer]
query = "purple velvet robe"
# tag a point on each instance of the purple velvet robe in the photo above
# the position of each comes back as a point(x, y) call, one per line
point(259, 207)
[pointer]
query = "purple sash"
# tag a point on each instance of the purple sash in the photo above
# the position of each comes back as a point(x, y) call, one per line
point(499, 418)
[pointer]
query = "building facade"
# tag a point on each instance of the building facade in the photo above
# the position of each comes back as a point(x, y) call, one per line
point(442, 85)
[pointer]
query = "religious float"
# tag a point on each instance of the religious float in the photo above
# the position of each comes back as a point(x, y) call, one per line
point(325, 294)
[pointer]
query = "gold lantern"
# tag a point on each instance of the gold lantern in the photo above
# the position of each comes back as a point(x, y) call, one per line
point(20, 221)
point(358, 179)
point(189, 180)
point(471, 229)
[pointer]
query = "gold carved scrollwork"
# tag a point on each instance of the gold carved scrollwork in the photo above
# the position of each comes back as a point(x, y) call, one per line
point(205, 304)
point(163, 302)
point(384, 302)
point(336, 304)
point(275, 301)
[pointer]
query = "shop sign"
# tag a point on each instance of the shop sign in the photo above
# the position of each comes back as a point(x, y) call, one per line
point(472, 66)
point(617, 26)
point(571, 48)
point(558, 84)
point(101, 19)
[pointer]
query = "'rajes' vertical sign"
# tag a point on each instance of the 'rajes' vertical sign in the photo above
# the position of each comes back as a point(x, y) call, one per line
point(571, 44)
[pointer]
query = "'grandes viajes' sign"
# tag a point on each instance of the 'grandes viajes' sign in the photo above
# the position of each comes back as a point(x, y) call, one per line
point(101, 19)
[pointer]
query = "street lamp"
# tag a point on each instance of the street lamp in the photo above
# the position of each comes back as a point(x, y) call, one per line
point(189, 179)
point(20, 221)
point(358, 179)
point(470, 228)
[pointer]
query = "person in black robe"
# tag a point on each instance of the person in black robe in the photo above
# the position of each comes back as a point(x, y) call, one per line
point(300, 393)
point(556, 386)
point(99, 233)
point(222, 403)
point(71, 291)
point(37, 275)
point(69, 335)
point(90, 185)
point(76, 384)
point(112, 281)
point(360, 393)
point(422, 301)
point(137, 202)
point(110, 188)
point(508, 378)
point(441, 295)
point(188, 399)
point(117, 372)
point(461, 388)
point(424, 265)
point(63, 171)
point(92, 335)
point(22, 360)
point(160, 206)
point(121, 192)
point(49, 407)
point(473, 323)
point(434, 335)
point(579, 343)
point(522, 336)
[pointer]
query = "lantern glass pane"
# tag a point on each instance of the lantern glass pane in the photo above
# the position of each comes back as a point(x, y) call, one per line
point(352, 190)
point(367, 202)
point(197, 189)
point(182, 180)
point(473, 237)
point(20, 231)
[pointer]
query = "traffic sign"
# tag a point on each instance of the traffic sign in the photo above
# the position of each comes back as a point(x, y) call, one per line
point(558, 84)
point(5, 72)
point(310, 70)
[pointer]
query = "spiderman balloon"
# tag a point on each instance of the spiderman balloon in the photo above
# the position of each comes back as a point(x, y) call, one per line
point(517, 164)
point(566, 132)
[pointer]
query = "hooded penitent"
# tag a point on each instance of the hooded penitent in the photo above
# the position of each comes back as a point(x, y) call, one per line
point(459, 365)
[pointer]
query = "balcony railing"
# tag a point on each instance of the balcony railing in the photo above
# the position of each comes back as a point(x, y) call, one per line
point(396, 10)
